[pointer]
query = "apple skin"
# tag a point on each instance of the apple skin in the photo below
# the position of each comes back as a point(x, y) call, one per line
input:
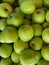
point(27, 6)
point(26, 33)
point(45, 35)
point(3, 50)
point(6, 61)
point(9, 35)
point(19, 46)
point(36, 43)
point(45, 52)
point(43, 62)
point(37, 29)
point(15, 57)
point(27, 57)
point(5, 10)
point(38, 16)
point(15, 20)
point(3, 24)
point(47, 16)
point(9, 1)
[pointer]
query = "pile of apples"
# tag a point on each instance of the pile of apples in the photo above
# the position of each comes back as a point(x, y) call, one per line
point(24, 32)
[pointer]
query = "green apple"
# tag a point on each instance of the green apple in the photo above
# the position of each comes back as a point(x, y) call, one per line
point(3, 24)
point(37, 29)
point(26, 33)
point(47, 16)
point(6, 61)
point(46, 3)
point(9, 1)
point(15, 20)
point(45, 52)
point(27, 6)
point(36, 43)
point(45, 35)
point(5, 50)
point(5, 10)
point(9, 35)
point(38, 16)
point(15, 57)
point(19, 46)
point(43, 62)
point(27, 57)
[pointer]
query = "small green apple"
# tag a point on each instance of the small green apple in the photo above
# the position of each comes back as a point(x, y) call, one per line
point(46, 3)
point(3, 24)
point(19, 46)
point(9, 35)
point(45, 35)
point(43, 62)
point(27, 57)
point(26, 33)
point(5, 10)
point(45, 52)
point(37, 29)
point(36, 43)
point(47, 16)
point(15, 57)
point(38, 16)
point(27, 6)
point(6, 61)
point(15, 20)
point(5, 50)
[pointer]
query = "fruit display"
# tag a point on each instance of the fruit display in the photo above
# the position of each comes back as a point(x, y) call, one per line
point(24, 32)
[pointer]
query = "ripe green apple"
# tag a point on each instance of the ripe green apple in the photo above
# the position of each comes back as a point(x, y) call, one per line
point(43, 62)
point(46, 3)
point(6, 61)
point(9, 1)
point(27, 57)
point(3, 24)
point(15, 57)
point(5, 50)
point(5, 10)
point(19, 46)
point(47, 16)
point(37, 29)
point(26, 33)
point(45, 52)
point(27, 6)
point(15, 20)
point(45, 35)
point(36, 43)
point(9, 35)
point(38, 16)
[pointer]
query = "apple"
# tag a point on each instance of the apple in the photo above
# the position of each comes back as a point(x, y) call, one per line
point(47, 16)
point(19, 46)
point(9, 35)
point(37, 29)
point(46, 3)
point(15, 20)
point(38, 16)
point(43, 62)
point(45, 52)
point(9, 1)
point(5, 50)
point(26, 33)
point(27, 6)
point(3, 24)
point(36, 43)
point(27, 57)
point(15, 57)
point(6, 61)
point(5, 10)
point(45, 35)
